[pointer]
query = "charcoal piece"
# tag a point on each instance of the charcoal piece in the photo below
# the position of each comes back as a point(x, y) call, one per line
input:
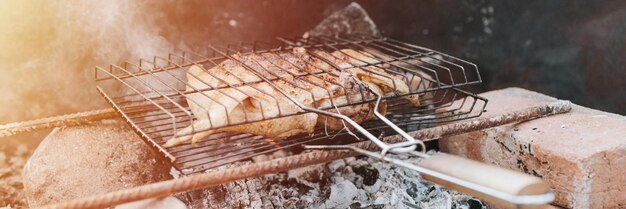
point(475, 204)
point(370, 175)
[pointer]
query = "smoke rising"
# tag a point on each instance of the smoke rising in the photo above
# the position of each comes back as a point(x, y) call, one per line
point(51, 48)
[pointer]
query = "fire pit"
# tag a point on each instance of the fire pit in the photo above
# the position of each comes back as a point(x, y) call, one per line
point(359, 141)
point(161, 111)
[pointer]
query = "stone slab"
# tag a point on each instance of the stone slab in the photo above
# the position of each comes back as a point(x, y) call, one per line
point(581, 154)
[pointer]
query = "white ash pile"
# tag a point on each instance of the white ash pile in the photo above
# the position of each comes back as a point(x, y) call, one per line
point(348, 183)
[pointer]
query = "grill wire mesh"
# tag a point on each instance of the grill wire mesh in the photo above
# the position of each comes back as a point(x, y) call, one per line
point(154, 95)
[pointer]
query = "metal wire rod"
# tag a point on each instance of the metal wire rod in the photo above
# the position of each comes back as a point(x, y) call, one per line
point(213, 178)
point(437, 132)
point(74, 119)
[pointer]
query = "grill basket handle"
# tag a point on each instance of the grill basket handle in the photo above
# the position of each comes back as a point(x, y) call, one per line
point(499, 186)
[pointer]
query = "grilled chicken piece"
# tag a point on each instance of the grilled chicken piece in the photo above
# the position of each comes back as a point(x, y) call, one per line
point(232, 92)
point(373, 76)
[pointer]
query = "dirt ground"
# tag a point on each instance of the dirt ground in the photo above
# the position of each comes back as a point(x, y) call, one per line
point(14, 152)
point(11, 165)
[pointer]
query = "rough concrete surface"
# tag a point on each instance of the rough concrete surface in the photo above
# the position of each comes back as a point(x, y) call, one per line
point(347, 21)
point(581, 154)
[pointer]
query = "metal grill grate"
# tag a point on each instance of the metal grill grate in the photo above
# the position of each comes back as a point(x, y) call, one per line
point(154, 96)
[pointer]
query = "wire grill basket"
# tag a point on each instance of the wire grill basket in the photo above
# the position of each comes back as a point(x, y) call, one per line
point(157, 97)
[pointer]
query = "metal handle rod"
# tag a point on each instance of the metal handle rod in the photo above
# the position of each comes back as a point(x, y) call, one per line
point(402, 133)
point(354, 124)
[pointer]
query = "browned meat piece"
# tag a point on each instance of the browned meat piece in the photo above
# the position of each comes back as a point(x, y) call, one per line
point(231, 93)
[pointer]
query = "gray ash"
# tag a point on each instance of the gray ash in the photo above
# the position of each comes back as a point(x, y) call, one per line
point(346, 183)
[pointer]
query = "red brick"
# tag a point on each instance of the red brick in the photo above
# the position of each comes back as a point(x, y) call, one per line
point(581, 154)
